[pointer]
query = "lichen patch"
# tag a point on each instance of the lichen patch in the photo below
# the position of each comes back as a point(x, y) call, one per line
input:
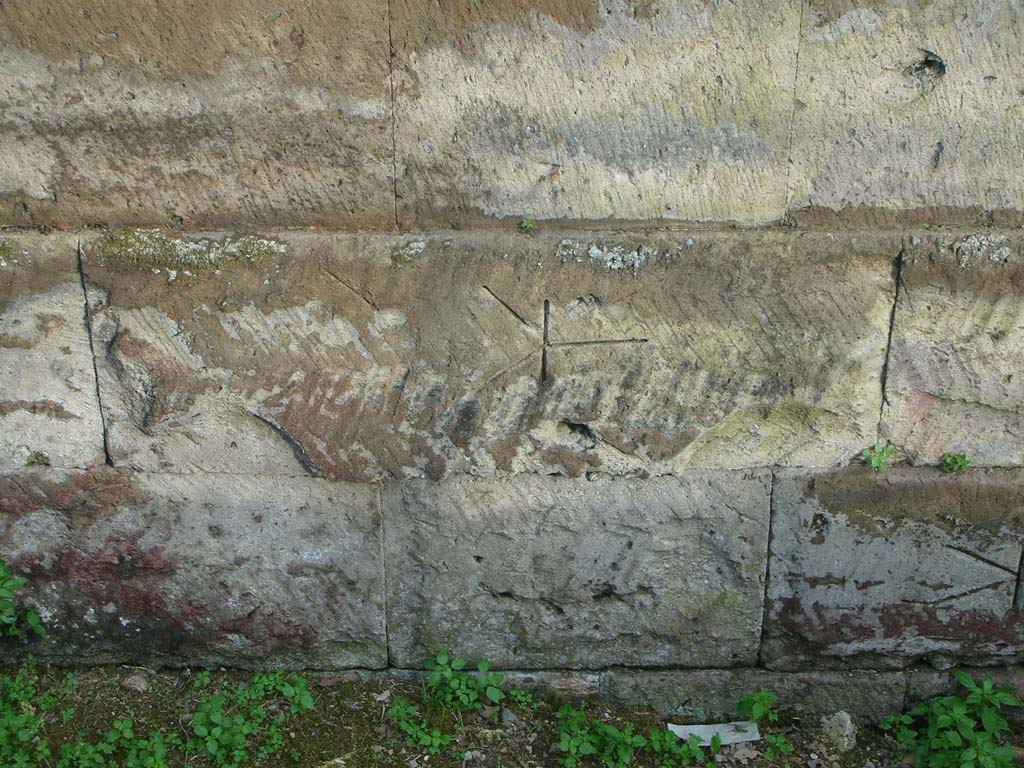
point(155, 249)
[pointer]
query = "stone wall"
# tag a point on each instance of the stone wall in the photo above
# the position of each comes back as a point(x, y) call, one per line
point(363, 417)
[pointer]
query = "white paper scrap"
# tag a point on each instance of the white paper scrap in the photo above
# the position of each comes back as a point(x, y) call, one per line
point(729, 733)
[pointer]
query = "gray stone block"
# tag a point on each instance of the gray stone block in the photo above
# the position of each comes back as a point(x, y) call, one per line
point(49, 414)
point(705, 695)
point(541, 572)
point(880, 569)
point(198, 569)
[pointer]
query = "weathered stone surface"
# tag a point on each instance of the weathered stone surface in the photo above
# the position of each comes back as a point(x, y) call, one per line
point(561, 573)
point(361, 358)
point(593, 109)
point(879, 569)
point(49, 413)
point(216, 113)
point(705, 694)
point(188, 569)
point(955, 381)
point(924, 684)
point(909, 107)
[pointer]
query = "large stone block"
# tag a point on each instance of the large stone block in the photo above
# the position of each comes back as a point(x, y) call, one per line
point(955, 381)
point(593, 109)
point(198, 569)
point(707, 695)
point(908, 109)
point(213, 113)
point(368, 357)
point(49, 414)
point(880, 569)
point(541, 572)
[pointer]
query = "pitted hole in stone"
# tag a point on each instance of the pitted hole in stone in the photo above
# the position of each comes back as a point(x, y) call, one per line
point(927, 71)
point(579, 428)
point(819, 525)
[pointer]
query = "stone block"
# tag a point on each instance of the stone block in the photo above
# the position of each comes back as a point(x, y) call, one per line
point(49, 414)
point(593, 109)
point(924, 684)
point(954, 377)
point(363, 358)
point(881, 569)
point(712, 694)
point(908, 110)
point(541, 572)
point(188, 569)
point(216, 113)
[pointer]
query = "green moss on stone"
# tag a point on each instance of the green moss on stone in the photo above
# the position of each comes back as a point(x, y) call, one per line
point(156, 249)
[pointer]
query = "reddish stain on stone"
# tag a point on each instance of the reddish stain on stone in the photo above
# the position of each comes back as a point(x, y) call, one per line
point(89, 492)
point(123, 588)
point(822, 627)
point(269, 633)
point(48, 408)
point(47, 322)
point(974, 631)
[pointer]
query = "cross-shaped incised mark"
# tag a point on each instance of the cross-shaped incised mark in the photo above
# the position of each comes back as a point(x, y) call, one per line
point(547, 344)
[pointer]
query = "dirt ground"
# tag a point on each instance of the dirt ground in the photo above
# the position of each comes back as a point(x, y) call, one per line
point(348, 726)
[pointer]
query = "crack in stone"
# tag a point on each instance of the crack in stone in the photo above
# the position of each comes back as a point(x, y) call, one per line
point(507, 306)
point(363, 297)
point(394, 116)
point(981, 559)
point(766, 604)
point(300, 453)
point(1018, 592)
point(897, 281)
point(597, 342)
point(957, 595)
point(787, 192)
point(87, 321)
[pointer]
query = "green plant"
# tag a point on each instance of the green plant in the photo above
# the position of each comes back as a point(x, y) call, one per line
point(21, 721)
point(611, 747)
point(576, 739)
point(954, 732)
point(669, 751)
point(407, 719)
point(231, 725)
point(16, 622)
point(448, 687)
point(776, 746)
point(954, 462)
point(877, 456)
point(615, 748)
point(527, 225)
point(522, 699)
point(757, 707)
